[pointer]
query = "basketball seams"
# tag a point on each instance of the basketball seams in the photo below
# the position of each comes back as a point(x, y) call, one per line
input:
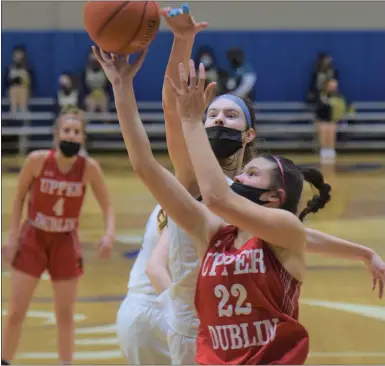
point(138, 29)
point(120, 28)
point(112, 16)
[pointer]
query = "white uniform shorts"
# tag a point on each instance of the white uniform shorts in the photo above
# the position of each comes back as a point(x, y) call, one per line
point(182, 348)
point(142, 331)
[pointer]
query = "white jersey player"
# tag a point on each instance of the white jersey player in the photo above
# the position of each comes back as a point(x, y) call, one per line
point(141, 326)
point(178, 300)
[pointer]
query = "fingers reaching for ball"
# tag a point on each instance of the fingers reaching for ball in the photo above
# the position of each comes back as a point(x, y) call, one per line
point(106, 56)
point(192, 98)
point(96, 51)
point(137, 64)
point(181, 22)
point(193, 77)
point(118, 69)
point(196, 85)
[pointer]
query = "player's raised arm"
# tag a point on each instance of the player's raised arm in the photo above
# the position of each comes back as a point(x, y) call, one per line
point(318, 242)
point(191, 215)
point(184, 28)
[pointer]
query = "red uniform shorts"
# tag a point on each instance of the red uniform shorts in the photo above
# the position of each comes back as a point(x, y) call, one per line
point(59, 253)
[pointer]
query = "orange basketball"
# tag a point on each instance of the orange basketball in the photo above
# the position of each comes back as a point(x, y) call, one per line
point(122, 27)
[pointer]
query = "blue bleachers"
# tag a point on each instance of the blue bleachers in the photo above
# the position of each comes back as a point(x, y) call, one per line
point(280, 125)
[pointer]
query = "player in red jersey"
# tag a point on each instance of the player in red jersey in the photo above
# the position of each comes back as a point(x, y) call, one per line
point(56, 182)
point(249, 282)
point(251, 272)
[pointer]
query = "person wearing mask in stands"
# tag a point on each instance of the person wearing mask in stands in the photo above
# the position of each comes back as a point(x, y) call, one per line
point(243, 78)
point(68, 93)
point(331, 108)
point(95, 86)
point(324, 70)
point(207, 56)
point(18, 80)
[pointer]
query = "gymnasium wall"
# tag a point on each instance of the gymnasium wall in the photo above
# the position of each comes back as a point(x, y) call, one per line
point(65, 15)
point(281, 40)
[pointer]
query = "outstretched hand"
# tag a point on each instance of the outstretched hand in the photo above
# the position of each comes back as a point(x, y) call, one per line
point(117, 68)
point(376, 267)
point(193, 99)
point(181, 22)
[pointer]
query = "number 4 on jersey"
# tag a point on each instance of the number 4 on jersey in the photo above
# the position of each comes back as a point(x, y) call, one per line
point(58, 207)
point(237, 291)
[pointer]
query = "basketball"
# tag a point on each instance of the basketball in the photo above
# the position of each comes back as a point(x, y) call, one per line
point(122, 27)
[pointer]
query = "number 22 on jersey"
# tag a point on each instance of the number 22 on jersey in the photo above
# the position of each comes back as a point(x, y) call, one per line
point(228, 310)
point(58, 207)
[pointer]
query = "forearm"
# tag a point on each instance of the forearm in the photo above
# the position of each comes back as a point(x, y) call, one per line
point(134, 135)
point(211, 180)
point(109, 220)
point(181, 52)
point(17, 212)
point(168, 192)
point(318, 242)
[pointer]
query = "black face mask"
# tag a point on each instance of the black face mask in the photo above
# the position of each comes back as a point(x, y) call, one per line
point(251, 193)
point(235, 63)
point(224, 141)
point(18, 64)
point(95, 66)
point(66, 90)
point(69, 148)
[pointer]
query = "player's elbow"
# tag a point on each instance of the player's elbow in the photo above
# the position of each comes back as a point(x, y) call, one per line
point(215, 202)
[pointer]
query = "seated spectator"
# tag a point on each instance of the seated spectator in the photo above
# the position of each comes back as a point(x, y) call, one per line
point(207, 56)
point(95, 86)
point(324, 71)
point(243, 77)
point(18, 80)
point(330, 109)
point(68, 93)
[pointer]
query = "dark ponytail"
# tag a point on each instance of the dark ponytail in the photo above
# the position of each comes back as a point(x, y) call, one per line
point(316, 179)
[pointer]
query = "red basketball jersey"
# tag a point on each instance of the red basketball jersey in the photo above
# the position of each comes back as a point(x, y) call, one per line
point(55, 198)
point(247, 304)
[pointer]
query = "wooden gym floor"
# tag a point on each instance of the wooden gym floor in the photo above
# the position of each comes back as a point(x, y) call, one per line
point(345, 319)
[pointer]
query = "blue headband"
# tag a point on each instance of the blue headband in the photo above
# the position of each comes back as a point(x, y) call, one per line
point(240, 103)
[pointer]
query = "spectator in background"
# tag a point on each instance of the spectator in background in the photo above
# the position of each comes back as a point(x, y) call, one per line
point(95, 86)
point(207, 56)
point(68, 93)
point(331, 108)
point(243, 78)
point(324, 71)
point(18, 80)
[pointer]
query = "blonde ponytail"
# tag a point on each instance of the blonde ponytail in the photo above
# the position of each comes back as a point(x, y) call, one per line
point(162, 219)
